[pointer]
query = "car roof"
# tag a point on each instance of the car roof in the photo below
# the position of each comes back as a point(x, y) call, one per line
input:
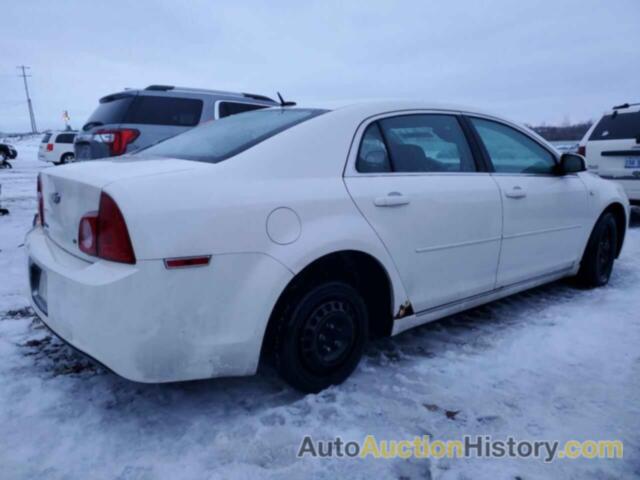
point(171, 91)
point(376, 107)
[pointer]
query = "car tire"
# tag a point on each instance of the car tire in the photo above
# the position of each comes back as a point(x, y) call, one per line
point(597, 263)
point(66, 158)
point(321, 336)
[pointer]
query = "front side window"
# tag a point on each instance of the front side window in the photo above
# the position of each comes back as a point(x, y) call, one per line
point(231, 108)
point(511, 151)
point(215, 141)
point(415, 144)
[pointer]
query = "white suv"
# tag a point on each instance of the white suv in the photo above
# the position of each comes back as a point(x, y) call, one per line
point(612, 148)
point(57, 147)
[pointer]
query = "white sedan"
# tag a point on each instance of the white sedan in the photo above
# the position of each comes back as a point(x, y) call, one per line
point(295, 234)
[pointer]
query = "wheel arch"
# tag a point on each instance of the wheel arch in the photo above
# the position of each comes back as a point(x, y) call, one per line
point(620, 215)
point(360, 269)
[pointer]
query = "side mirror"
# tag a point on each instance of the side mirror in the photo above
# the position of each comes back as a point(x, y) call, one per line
point(571, 163)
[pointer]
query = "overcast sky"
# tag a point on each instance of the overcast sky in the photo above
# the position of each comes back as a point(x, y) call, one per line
point(532, 61)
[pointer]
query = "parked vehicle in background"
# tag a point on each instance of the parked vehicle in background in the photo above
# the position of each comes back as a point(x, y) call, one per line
point(7, 152)
point(301, 232)
point(57, 147)
point(612, 148)
point(133, 119)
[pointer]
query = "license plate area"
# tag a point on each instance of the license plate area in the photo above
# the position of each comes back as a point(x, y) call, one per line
point(632, 162)
point(38, 282)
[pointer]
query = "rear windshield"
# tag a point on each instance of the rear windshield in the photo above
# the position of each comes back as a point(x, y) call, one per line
point(111, 110)
point(218, 140)
point(617, 127)
point(46, 137)
point(146, 110)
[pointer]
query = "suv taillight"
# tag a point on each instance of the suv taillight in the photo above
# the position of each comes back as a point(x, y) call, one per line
point(582, 150)
point(104, 233)
point(49, 147)
point(40, 201)
point(117, 139)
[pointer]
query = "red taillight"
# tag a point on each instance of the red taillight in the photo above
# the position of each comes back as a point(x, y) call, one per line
point(40, 201)
point(582, 150)
point(117, 139)
point(105, 234)
point(49, 147)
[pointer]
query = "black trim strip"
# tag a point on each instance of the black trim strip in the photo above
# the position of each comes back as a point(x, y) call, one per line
point(621, 153)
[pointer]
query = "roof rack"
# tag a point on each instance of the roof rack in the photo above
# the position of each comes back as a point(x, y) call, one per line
point(625, 105)
point(162, 88)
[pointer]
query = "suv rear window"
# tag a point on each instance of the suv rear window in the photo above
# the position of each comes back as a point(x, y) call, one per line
point(146, 110)
point(65, 138)
point(112, 109)
point(231, 108)
point(617, 127)
point(183, 112)
point(216, 141)
point(46, 137)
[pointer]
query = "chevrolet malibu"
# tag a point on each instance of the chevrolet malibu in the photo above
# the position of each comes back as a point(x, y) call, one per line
point(296, 234)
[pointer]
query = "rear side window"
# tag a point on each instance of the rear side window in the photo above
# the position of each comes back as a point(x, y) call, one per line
point(373, 156)
point(231, 108)
point(414, 144)
point(213, 142)
point(46, 137)
point(617, 127)
point(512, 151)
point(65, 138)
point(148, 110)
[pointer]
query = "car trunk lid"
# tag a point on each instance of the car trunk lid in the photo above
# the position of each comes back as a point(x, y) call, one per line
point(72, 191)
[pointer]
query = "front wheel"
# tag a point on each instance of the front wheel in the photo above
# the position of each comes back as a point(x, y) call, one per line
point(321, 336)
point(599, 256)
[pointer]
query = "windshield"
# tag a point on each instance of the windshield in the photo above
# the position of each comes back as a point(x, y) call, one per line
point(220, 139)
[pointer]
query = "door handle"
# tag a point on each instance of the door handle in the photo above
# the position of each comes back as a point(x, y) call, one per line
point(516, 192)
point(393, 199)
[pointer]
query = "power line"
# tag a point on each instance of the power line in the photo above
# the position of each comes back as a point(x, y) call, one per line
point(32, 117)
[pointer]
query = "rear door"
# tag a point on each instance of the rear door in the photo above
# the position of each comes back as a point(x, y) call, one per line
point(416, 181)
point(545, 215)
point(613, 149)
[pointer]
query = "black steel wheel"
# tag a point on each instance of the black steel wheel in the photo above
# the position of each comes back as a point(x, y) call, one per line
point(321, 336)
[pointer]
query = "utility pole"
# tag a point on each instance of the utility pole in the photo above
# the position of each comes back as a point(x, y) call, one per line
point(32, 117)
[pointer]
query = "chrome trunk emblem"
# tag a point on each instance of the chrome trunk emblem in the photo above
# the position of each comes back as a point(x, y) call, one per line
point(56, 197)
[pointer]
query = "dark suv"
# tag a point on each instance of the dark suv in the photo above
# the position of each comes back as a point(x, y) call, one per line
point(134, 119)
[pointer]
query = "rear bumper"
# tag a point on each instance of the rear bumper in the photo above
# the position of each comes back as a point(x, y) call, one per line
point(150, 324)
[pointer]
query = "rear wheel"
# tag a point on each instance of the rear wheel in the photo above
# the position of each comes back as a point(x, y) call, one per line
point(321, 336)
point(66, 158)
point(600, 254)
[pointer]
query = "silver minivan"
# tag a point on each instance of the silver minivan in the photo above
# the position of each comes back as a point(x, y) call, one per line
point(133, 119)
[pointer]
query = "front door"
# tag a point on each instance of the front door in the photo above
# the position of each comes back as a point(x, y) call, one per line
point(545, 215)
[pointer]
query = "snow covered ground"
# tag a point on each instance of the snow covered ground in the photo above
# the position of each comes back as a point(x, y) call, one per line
point(553, 363)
